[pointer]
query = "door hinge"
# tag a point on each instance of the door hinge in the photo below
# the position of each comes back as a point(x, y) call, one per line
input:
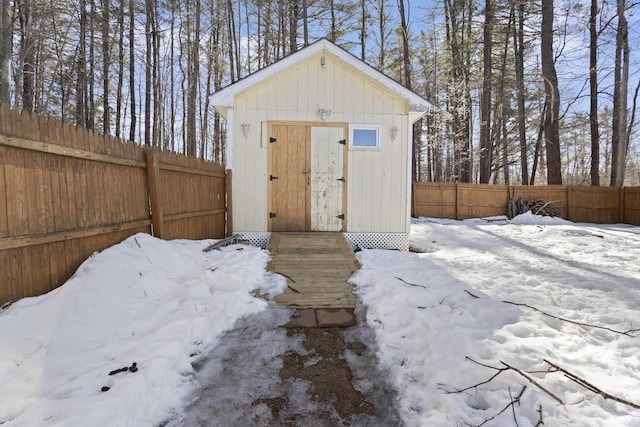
point(272, 140)
point(342, 142)
point(272, 215)
point(341, 179)
point(341, 216)
point(271, 177)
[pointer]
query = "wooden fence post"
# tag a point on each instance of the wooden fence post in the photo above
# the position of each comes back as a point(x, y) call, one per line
point(229, 201)
point(457, 200)
point(569, 206)
point(153, 174)
point(621, 206)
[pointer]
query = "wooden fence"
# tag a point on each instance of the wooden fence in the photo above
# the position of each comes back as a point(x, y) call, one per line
point(599, 205)
point(66, 192)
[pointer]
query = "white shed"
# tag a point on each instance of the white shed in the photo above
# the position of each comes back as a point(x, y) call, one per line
point(321, 141)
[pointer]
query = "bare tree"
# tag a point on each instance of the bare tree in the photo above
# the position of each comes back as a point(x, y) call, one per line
point(518, 49)
point(105, 67)
point(132, 68)
point(593, 94)
point(193, 75)
point(619, 141)
point(120, 83)
point(485, 108)
point(6, 49)
point(552, 96)
point(81, 67)
point(458, 91)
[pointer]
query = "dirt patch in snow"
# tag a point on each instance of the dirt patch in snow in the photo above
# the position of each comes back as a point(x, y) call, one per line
point(325, 368)
point(263, 373)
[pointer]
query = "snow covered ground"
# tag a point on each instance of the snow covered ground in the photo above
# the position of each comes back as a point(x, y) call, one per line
point(162, 305)
point(434, 333)
point(165, 306)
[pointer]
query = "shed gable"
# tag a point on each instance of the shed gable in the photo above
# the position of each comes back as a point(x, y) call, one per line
point(307, 86)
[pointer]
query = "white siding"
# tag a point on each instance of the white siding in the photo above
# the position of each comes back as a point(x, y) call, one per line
point(377, 180)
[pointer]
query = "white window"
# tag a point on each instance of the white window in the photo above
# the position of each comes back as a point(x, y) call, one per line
point(364, 137)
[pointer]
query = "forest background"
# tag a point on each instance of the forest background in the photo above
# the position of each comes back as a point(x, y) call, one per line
point(524, 92)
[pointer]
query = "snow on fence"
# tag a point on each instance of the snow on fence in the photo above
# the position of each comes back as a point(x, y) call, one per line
point(66, 192)
point(599, 205)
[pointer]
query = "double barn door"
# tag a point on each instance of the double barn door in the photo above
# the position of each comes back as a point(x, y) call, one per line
point(306, 182)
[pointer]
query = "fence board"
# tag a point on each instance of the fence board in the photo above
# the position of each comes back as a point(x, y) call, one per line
point(481, 201)
point(631, 200)
point(4, 225)
point(599, 205)
point(593, 204)
point(66, 192)
point(436, 200)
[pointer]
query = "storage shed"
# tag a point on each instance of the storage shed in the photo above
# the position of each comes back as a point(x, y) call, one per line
point(321, 141)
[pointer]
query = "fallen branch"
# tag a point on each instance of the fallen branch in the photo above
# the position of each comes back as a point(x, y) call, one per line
point(284, 275)
point(511, 405)
point(501, 370)
point(474, 296)
point(475, 386)
point(590, 386)
point(534, 382)
point(540, 422)
point(627, 332)
point(410, 284)
point(514, 401)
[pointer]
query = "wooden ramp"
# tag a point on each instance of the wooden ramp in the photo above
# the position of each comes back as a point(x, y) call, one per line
point(316, 266)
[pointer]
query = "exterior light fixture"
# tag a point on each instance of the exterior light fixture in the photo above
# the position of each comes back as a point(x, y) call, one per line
point(323, 61)
point(246, 127)
point(394, 132)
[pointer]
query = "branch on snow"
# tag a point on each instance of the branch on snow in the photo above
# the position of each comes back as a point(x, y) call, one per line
point(511, 404)
point(500, 370)
point(534, 382)
point(540, 422)
point(627, 332)
point(410, 284)
point(584, 383)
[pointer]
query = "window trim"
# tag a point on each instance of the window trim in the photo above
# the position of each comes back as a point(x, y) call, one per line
point(353, 127)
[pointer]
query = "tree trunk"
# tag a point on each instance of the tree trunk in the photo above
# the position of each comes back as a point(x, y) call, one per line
point(231, 26)
point(621, 80)
point(132, 76)
point(363, 29)
point(156, 78)
point(538, 148)
point(332, 34)
point(460, 104)
point(120, 68)
point(552, 97)
point(406, 68)
point(90, 102)
point(593, 92)
point(106, 125)
point(382, 28)
point(6, 50)
point(518, 48)
point(147, 71)
point(305, 22)
point(81, 71)
point(192, 84)
point(495, 140)
point(294, 14)
point(485, 108)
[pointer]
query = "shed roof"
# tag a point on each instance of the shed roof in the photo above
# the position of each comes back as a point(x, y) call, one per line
point(223, 98)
